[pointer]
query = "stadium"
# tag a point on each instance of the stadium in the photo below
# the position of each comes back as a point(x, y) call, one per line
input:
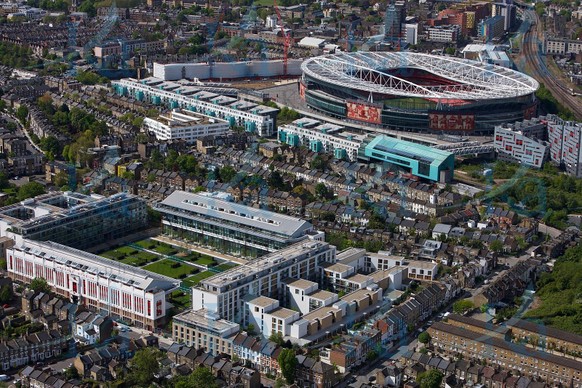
point(417, 92)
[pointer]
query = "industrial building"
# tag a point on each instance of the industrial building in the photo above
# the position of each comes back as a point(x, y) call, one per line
point(73, 219)
point(222, 71)
point(328, 138)
point(522, 142)
point(230, 227)
point(254, 118)
point(102, 285)
point(185, 125)
point(565, 138)
point(420, 160)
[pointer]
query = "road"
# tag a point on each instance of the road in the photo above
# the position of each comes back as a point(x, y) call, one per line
point(532, 41)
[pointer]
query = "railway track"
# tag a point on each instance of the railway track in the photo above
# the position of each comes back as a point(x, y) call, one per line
point(540, 71)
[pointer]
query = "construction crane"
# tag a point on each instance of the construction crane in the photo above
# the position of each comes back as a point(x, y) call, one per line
point(286, 38)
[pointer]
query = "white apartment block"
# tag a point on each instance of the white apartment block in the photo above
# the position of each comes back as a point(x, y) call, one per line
point(305, 296)
point(328, 138)
point(185, 125)
point(565, 138)
point(414, 269)
point(268, 318)
point(254, 118)
point(443, 34)
point(102, 285)
point(224, 293)
point(514, 146)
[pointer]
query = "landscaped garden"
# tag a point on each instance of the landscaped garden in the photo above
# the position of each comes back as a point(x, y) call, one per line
point(171, 268)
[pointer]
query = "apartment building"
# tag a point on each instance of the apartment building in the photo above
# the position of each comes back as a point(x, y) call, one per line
point(73, 219)
point(514, 145)
point(254, 118)
point(305, 296)
point(416, 269)
point(491, 28)
point(457, 341)
point(565, 138)
point(111, 288)
point(562, 46)
point(267, 317)
point(328, 138)
point(443, 34)
point(185, 125)
point(203, 329)
point(350, 308)
point(230, 227)
point(224, 293)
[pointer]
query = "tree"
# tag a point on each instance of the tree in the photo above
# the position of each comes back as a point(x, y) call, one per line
point(71, 373)
point(277, 338)
point(318, 163)
point(462, 306)
point(29, 190)
point(22, 113)
point(201, 378)
point(321, 191)
point(496, 246)
point(144, 365)
point(288, 363)
point(5, 294)
point(430, 379)
point(226, 174)
point(39, 285)
point(424, 337)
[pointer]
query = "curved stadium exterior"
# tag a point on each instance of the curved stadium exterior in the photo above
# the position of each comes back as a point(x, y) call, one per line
point(417, 92)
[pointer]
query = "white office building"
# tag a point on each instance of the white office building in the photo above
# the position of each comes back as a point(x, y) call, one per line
point(185, 125)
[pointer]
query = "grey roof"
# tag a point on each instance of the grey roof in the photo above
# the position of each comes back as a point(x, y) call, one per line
point(192, 205)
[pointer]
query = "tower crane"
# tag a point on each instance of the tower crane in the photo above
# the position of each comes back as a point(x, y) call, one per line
point(286, 38)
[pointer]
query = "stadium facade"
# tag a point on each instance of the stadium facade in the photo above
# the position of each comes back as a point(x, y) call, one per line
point(417, 92)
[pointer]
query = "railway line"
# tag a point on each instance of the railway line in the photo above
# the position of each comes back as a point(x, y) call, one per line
point(539, 70)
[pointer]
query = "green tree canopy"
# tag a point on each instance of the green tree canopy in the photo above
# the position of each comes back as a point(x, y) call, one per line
point(30, 190)
point(430, 379)
point(462, 306)
point(288, 363)
point(144, 365)
point(424, 337)
point(39, 285)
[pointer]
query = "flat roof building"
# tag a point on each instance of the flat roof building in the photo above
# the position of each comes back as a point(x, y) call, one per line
point(223, 293)
point(185, 125)
point(257, 119)
point(73, 219)
point(420, 160)
point(230, 227)
point(108, 287)
point(328, 138)
point(204, 330)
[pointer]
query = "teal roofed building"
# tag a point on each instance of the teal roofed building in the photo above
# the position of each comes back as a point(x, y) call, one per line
point(422, 161)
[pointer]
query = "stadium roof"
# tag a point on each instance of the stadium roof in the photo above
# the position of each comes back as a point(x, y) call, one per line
point(367, 71)
point(212, 207)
